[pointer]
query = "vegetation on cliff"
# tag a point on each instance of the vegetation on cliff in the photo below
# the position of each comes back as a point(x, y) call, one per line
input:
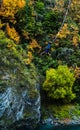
point(13, 69)
point(27, 27)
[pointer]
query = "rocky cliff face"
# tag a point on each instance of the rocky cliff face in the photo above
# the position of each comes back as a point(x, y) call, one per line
point(19, 93)
point(19, 109)
point(19, 105)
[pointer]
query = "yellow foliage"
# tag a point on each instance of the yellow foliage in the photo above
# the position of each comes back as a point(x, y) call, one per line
point(12, 33)
point(30, 2)
point(27, 61)
point(33, 45)
point(21, 3)
point(75, 7)
point(26, 34)
point(29, 54)
point(63, 32)
point(74, 34)
point(30, 48)
point(10, 7)
point(77, 72)
point(14, 3)
point(29, 58)
point(74, 4)
point(59, 5)
point(75, 40)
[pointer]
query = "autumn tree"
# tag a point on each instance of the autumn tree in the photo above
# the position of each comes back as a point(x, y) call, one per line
point(10, 8)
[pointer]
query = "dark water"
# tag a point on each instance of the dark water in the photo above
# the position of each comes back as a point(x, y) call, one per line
point(50, 127)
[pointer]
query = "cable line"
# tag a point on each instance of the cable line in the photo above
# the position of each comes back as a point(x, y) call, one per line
point(48, 47)
point(63, 20)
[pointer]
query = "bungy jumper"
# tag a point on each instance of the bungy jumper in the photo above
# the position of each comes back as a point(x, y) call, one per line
point(48, 47)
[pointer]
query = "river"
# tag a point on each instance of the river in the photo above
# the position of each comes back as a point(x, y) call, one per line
point(50, 127)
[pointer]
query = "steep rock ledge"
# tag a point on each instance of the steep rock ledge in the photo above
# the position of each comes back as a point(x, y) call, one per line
point(18, 107)
point(19, 92)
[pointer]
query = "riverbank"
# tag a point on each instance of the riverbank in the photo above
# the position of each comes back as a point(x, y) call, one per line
point(59, 115)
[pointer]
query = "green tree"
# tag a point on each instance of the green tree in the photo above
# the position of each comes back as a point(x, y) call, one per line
point(59, 82)
point(51, 21)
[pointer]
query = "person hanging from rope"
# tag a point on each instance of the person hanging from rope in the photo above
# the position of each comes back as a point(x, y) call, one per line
point(47, 49)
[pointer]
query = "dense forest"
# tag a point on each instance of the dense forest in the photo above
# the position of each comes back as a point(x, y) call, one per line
point(44, 34)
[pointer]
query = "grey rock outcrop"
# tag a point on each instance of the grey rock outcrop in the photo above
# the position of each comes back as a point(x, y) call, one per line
point(19, 92)
point(17, 107)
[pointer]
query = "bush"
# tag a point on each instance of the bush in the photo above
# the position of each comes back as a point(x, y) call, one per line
point(59, 82)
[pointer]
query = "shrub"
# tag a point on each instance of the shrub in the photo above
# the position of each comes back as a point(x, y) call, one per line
point(59, 82)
